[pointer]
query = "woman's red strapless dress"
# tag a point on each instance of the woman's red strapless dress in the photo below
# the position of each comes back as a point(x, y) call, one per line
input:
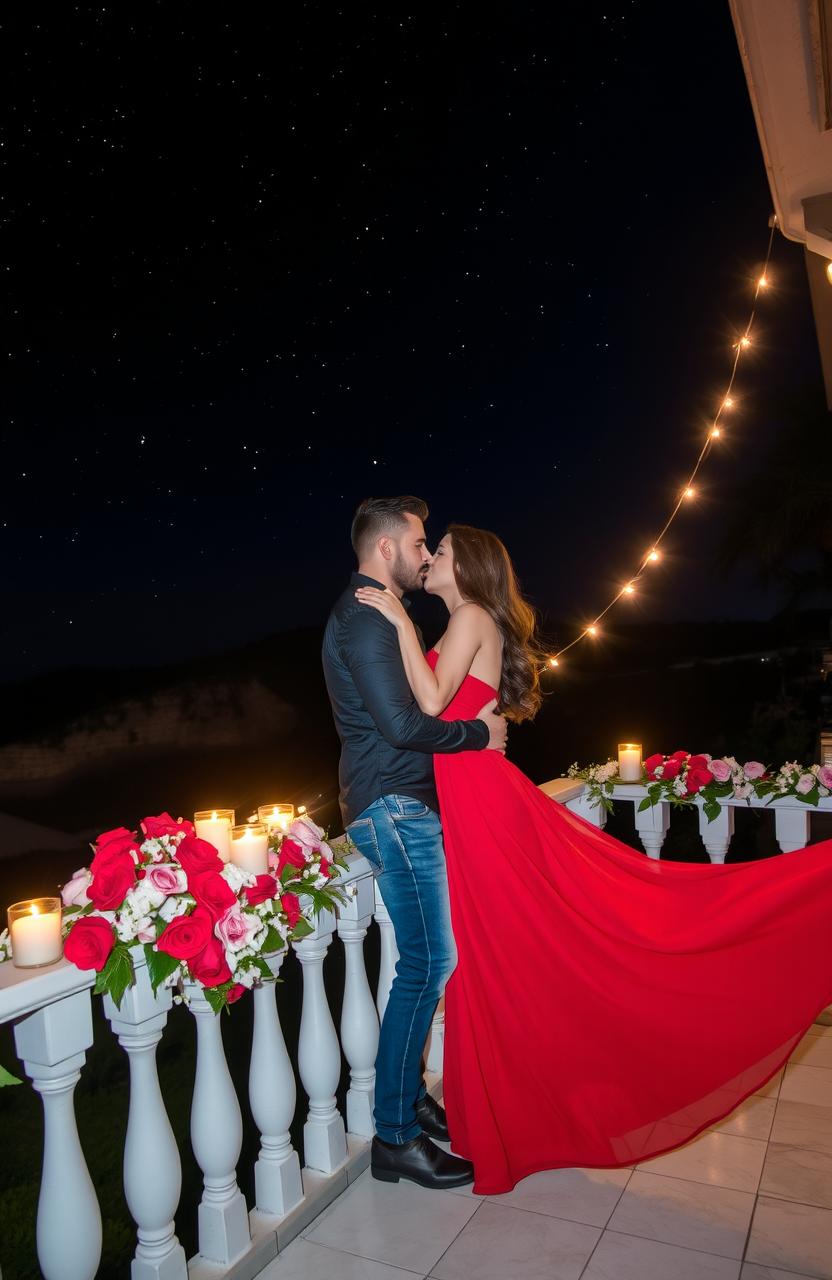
point(606, 1007)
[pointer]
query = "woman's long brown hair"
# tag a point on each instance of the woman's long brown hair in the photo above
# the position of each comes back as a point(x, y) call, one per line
point(485, 576)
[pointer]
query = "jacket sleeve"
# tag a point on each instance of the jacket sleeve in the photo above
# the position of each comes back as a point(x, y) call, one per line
point(371, 651)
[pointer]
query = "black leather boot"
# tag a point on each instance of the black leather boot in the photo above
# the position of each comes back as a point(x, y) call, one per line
point(419, 1161)
point(432, 1118)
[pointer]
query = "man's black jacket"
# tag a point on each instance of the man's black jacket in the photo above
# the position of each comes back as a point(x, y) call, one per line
point(386, 740)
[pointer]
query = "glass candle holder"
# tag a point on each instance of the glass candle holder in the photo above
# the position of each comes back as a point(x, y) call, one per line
point(214, 825)
point(276, 816)
point(250, 848)
point(629, 761)
point(35, 932)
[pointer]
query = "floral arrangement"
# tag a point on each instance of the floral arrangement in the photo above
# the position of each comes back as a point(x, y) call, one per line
point(5, 946)
point(681, 777)
point(197, 918)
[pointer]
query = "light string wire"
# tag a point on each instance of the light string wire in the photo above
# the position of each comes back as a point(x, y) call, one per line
point(687, 491)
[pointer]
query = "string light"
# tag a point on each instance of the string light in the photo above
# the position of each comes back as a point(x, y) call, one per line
point(714, 433)
point(829, 272)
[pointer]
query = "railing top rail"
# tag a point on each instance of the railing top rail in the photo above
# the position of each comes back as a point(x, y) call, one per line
point(564, 789)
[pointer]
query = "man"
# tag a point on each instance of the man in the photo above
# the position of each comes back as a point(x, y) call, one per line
point(389, 806)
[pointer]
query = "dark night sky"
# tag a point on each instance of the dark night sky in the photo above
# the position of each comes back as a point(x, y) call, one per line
point(261, 268)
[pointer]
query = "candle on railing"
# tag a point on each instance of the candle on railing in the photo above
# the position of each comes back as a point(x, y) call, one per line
point(35, 932)
point(629, 761)
point(214, 825)
point(250, 848)
point(276, 816)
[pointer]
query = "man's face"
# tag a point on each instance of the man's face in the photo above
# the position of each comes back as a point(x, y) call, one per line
point(412, 557)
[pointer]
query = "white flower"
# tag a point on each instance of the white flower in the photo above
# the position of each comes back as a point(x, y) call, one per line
point(679, 786)
point(743, 791)
point(246, 977)
point(5, 945)
point(174, 906)
point(805, 784)
point(235, 877)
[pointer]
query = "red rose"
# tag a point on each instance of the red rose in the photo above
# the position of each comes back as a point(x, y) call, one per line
point(235, 992)
point(119, 835)
point(679, 755)
point(211, 892)
point(112, 875)
point(208, 966)
point(291, 905)
point(697, 762)
point(165, 825)
point(652, 763)
point(291, 853)
point(265, 887)
point(186, 936)
point(325, 867)
point(697, 779)
point(196, 855)
point(89, 943)
point(671, 769)
point(113, 843)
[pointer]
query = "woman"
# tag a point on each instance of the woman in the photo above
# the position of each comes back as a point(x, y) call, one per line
point(605, 1007)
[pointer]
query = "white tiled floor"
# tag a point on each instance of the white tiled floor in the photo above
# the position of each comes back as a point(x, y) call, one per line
point(749, 1200)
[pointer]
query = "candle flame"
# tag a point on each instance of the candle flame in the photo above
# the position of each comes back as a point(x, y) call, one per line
point(34, 910)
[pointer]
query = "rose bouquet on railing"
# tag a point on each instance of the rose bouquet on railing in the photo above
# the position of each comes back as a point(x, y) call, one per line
point(195, 917)
point(681, 778)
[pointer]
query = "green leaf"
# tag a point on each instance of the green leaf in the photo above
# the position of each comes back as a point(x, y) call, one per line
point(646, 803)
point(117, 974)
point(6, 1077)
point(261, 965)
point(811, 797)
point(272, 941)
point(216, 996)
point(302, 929)
point(159, 966)
point(711, 808)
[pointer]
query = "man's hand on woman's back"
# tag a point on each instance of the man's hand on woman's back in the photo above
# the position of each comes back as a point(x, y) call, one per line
point(497, 727)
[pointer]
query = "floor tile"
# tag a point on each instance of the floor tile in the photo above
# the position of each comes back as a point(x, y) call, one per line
point(306, 1261)
point(692, 1214)
point(723, 1159)
point(807, 1084)
point(772, 1088)
point(799, 1124)
point(819, 1029)
point(792, 1173)
point(752, 1118)
point(501, 1242)
point(752, 1271)
point(620, 1257)
point(794, 1237)
point(398, 1223)
point(581, 1195)
point(814, 1051)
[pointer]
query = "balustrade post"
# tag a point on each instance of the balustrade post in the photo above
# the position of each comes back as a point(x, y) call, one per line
point(716, 835)
point(791, 826)
point(272, 1094)
point(319, 1054)
point(652, 825)
point(389, 954)
point(52, 1042)
point(594, 813)
point(216, 1138)
point(359, 1020)
point(152, 1171)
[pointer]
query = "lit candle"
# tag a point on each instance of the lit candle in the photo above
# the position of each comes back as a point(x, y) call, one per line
point(276, 816)
point(250, 848)
point(35, 931)
point(629, 761)
point(214, 825)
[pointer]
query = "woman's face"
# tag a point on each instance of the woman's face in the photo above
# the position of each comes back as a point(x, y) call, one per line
point(440, 575)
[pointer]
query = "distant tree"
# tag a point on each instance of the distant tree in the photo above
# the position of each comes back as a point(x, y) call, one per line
point(780, 516)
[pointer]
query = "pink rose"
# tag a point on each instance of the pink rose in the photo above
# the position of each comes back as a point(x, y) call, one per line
point(805, 783)
point(237, 928)
point(753, 770)
point(74, 892)
point(721, 770)
point(166, 879)
point(305, 831)
point(825, 776)
point(165, 825)
point(147, 934)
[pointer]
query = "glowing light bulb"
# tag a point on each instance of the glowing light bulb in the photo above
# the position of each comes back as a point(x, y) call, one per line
point(716, 433)
point(553, 662)
point(728, 402)
point(629, 589)
point(301, 808)
point(592, 631)
point(829, 272)
point(745, 341)
point(762, 283)
point(689, 492)
point(654, 555)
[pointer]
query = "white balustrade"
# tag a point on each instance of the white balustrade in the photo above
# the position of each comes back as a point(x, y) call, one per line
point(319, 1055)
point(152, 1172)
point(389, 954)
point(216, 1138)
point(359, 1020)
point(716, 834)
point(52, 1042)
point(272, 1095)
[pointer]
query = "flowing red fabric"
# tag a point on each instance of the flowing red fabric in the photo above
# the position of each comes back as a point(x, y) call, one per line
point(606, 1007)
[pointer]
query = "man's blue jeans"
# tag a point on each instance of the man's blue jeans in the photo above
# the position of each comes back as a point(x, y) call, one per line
point(402, 839)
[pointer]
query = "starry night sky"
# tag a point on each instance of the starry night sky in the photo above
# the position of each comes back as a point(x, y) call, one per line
point(260, 268)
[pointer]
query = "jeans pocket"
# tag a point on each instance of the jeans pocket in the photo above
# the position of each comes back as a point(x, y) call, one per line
point(362, 833)
point(402, 807)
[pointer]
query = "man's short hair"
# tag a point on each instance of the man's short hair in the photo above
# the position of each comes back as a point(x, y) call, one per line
point(376, 517)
